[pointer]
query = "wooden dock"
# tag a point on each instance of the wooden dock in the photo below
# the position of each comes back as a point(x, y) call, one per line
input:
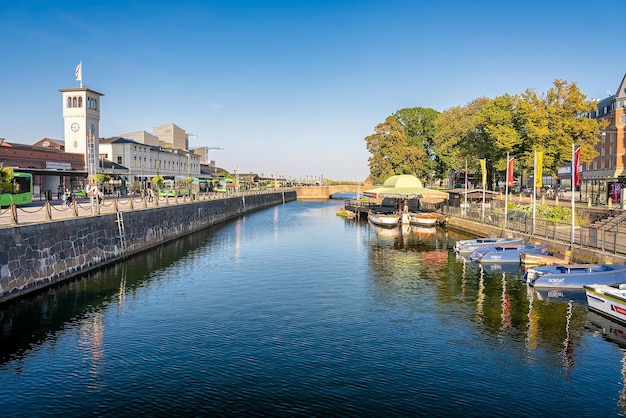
point(543, 260)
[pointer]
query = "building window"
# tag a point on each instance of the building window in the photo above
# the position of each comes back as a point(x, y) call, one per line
point(69, 102)
point(80, 102)
point(119, 160)
point(622, 119)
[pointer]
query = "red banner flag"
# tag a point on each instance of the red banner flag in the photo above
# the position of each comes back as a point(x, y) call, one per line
point(576, 168)
point(466, 182)
point(510, 177)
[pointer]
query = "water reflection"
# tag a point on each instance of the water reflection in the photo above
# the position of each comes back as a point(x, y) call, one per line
point(330, 318)
point(614, 332)
point(28, 322)
point(501, 304)
point(90, 332)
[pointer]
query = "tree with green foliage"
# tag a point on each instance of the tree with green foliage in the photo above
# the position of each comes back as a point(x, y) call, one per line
point(158, 181)
point(552, 122)
point(404, 144)
point(499, 124)
point(391, 151)
point(101, 178)
point(419, 127)
point(457, 134)
point(518, 125)
point(6, 179)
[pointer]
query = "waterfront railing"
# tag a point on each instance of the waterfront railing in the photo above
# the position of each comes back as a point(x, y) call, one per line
point(605, 238)
point(48, 210)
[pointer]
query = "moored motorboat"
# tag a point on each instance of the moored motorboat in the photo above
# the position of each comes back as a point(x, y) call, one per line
point(541, 259)
point(609, 300)
point(385, 219)
point(468, 246)
point(423, 218)
point(506, 253)
point(575, 276)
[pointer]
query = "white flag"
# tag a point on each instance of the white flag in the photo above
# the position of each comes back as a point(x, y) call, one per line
point(79, 72)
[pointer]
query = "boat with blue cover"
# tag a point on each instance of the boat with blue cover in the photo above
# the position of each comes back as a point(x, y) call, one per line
point(506, 253)
point(575, 276)
point(468, 246)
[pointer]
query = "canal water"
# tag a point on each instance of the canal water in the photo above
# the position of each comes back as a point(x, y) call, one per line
point(294, 311)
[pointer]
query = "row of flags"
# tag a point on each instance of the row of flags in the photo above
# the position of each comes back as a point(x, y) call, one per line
point(538, 174)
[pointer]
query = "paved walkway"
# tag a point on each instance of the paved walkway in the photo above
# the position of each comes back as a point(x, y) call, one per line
point(39, 211)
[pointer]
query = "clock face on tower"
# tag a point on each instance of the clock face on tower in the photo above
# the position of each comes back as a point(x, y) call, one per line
point(74, 127)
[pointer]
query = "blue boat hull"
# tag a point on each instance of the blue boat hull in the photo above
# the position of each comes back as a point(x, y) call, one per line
point(499, 254)
point(575, 276)
point(467, 247)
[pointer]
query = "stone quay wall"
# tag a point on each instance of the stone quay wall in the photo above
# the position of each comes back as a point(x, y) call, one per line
point(35, 256)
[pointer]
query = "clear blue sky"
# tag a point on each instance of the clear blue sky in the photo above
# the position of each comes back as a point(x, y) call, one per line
point(292, 87)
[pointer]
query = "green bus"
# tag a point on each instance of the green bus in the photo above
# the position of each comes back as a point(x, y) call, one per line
point(179, 186)
point(21, 190)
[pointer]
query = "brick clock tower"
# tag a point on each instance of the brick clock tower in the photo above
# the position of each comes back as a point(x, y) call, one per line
point(81, 120)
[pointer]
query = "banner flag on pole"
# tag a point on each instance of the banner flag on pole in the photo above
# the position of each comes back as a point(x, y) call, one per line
point(576, 168)
point(539, 169)
point(510, 178)
point(79, 72)
point(483, 168)
point(466, 181)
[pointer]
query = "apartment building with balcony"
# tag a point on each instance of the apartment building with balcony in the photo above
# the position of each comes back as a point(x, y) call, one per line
point(605, 177)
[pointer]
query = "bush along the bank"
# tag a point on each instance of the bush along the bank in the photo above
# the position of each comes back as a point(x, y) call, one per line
point(560, 214)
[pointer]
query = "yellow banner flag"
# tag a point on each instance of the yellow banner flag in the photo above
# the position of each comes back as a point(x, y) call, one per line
point(538, 169)
point(483, 168)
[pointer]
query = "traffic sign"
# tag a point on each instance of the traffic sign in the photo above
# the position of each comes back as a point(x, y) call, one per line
point(91, 189)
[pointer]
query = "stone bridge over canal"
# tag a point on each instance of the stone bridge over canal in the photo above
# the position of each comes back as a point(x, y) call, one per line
point(325, 192)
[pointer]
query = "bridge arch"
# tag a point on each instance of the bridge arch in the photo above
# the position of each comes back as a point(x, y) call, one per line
point(325, 192)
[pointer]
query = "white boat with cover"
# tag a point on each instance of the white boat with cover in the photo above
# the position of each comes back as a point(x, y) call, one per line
point(609, 300)
point(423, 218)
point(385, 219)
point(468, 246)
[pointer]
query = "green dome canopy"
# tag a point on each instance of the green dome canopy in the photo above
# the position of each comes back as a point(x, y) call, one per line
point(402, 181)
point(404, 186)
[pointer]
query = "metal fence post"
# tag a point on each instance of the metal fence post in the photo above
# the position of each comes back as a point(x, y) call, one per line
point(13, 214)
point(48, 210)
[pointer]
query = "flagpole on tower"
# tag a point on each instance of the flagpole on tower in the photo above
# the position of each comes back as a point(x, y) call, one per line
point(79, 73)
